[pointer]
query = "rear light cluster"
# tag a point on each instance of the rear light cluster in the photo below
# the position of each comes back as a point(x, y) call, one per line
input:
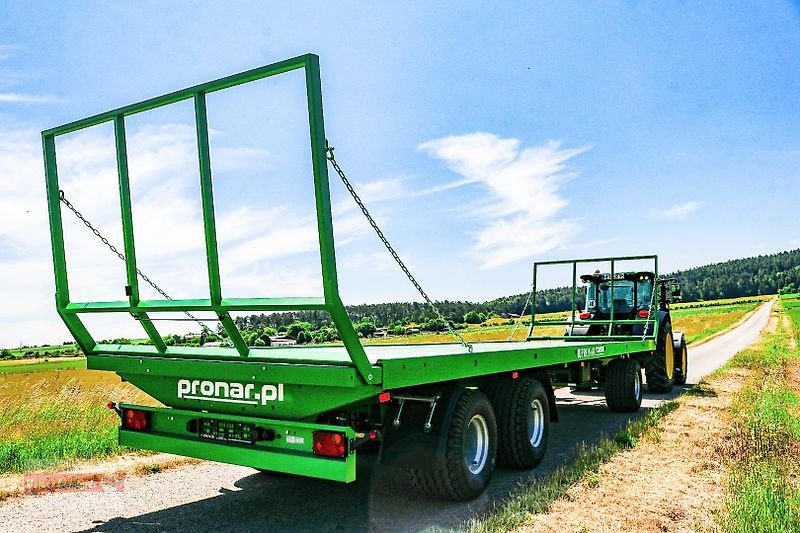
point(644, 313)
point(135, 419)
point(585, 316)
point(330, 444)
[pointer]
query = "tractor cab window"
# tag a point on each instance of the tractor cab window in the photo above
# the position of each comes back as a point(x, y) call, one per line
point(645, 291)
point(599, 297)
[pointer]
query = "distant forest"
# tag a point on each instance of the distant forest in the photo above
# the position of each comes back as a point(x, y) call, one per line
point(765, 274)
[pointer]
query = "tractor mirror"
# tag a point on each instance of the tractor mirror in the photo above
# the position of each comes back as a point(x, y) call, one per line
point(676, 292)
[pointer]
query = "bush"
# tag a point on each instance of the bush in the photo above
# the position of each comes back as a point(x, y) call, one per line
point(365, 327)
point(297, 327)
point(435, 324)
point(474, 317)
point(303, 337)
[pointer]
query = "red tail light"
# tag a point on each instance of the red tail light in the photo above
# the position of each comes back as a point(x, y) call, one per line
point(136, 420)
point(644, 313)
point(330, 444)
point(585, 316)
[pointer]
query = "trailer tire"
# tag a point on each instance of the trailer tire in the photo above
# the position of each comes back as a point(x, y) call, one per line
point(660, 364)
point(469, 458)
point(523, 421)
point(624, 386)
point(682, 356)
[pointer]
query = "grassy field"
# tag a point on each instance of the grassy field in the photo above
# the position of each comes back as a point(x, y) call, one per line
point(51, 418)
point(791, 304)
point(25, 366)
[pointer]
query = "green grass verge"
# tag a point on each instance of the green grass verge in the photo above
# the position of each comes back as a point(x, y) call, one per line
point(41, 366)
point(535, 496)
point(54, 449)
point(762, 488)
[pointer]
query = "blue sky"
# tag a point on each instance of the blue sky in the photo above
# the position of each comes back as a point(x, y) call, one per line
point(483, 138)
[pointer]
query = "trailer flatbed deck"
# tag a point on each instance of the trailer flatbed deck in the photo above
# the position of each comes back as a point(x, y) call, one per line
point(394, 365)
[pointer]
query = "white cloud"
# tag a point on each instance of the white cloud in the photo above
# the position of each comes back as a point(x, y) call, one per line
point(521, 189)
point(19, 98)
point(264, 251)
point(675, 212)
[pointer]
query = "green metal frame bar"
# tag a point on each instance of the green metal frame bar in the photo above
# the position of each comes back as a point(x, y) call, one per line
point(611, 322)
point(216, 303)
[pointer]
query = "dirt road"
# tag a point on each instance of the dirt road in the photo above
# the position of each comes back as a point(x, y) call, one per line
point(216, 497)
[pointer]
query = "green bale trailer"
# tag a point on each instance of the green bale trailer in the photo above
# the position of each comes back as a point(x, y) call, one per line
point(447, 413)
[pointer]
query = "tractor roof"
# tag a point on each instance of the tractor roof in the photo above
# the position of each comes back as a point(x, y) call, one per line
point(628, 276)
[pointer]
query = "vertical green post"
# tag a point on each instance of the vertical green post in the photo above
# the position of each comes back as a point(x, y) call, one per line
point(611, 303)
point(657, 298)
point(209, 223)
point(574, 288)
point(127, 233)
point(73, 323)
point(533, 302)
point(327, 254)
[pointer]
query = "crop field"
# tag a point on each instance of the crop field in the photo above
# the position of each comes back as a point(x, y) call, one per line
point(791, 304)
point(697, 320)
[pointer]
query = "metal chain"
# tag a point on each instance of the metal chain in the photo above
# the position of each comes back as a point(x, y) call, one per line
point(119, 254)
point(385, 241)
point(649, 310)
point(519, 320)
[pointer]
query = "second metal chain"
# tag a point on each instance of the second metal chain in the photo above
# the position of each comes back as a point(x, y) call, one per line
point(119, 254)
point(385, 241)
point(524, 308)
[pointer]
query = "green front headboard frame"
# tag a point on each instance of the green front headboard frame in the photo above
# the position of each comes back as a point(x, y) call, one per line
point(71, 312)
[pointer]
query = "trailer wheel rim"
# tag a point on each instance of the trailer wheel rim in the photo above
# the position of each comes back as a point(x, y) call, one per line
point(669, 356)
point(536, 423)
point(637, 384)
point(476, 444)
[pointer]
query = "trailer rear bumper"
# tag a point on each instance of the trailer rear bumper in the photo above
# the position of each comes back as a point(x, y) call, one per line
point(284, 446)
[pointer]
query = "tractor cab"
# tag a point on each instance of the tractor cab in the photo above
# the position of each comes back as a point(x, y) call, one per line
point(632, 292)
point(630, 297)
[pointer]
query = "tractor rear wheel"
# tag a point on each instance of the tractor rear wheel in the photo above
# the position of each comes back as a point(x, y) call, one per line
point(465, 470)
point(523, 421)
point(624, 386)
point(660, 365)
point(682, 356)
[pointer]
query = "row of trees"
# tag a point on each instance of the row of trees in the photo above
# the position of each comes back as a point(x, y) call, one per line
point(764, 274)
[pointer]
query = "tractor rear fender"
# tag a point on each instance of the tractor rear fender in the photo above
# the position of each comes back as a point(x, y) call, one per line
point(663, 318)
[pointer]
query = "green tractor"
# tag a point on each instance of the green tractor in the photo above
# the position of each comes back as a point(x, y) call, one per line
point(617, 310)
